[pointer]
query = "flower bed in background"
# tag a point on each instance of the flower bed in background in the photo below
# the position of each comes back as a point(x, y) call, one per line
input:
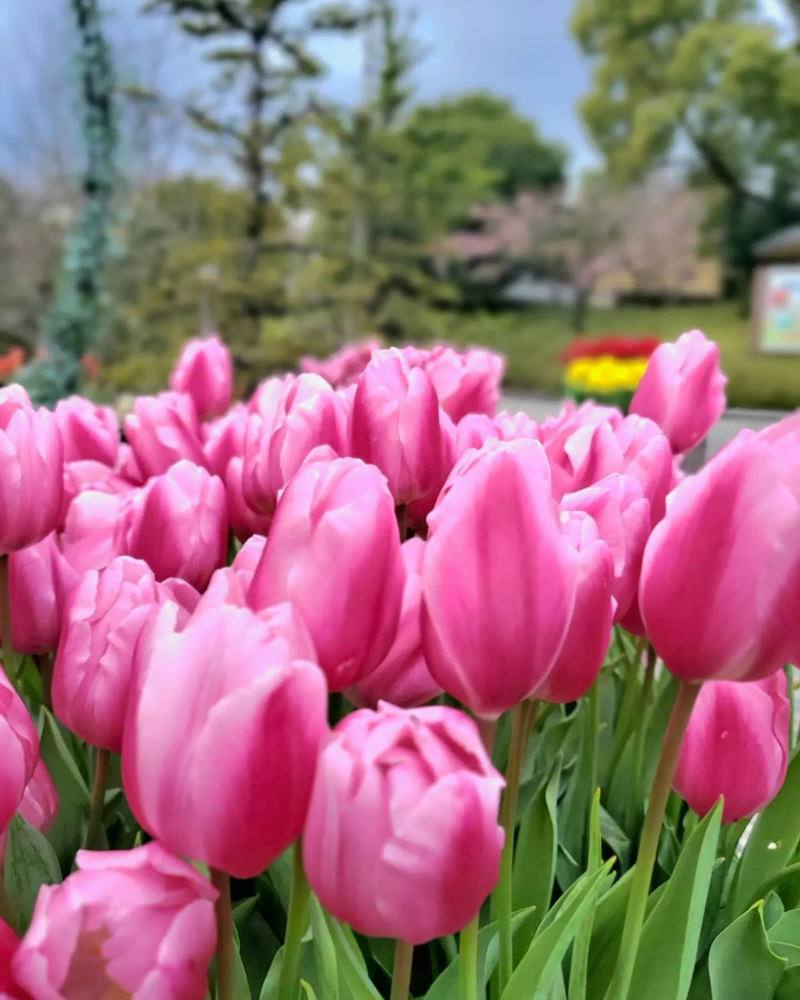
point(606, 369)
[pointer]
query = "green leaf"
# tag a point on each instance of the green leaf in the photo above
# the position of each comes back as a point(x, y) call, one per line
point(609, 916)
point(741, 964)
point(773, 840)
point(324, 951)
point(350, 962)
point(579, 968)
point(536, 850)
point(536, 973)
point(30, 863)
point(308, 990)
point(668, 947)
point(66, 834)
point(789, 986)
point(574, 810)
point(784, 937)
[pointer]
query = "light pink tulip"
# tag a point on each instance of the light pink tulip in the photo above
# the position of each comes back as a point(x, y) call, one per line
point(243, 521)
point(402, 678)
point(223, 439)
point(89, 432)
point(736, 746)
point(720, 581)
point(31, 471)
point(402, 838)
point(162, 430)
point(89, 475)
point(683, 390)
point(136, 924)
point(89, 539)
point(344, 367)
point(103, 620)
point(248, 557)
point(40, 579)
point(244, 746)
point(333, 550)
point(268, 396)
point(38, 805)
point(225, 587)
point(395, 425)
point(204, 371)
point(310, 414)
point(467, 382)
point(589, 634)
point(499, 578)
point(19, 749)
point(177, 524)
point(127, 466)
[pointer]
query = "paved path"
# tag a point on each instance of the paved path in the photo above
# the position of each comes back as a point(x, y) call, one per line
point(728, 427)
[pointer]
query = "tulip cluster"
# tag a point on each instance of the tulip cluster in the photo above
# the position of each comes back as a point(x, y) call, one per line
point(365, 615)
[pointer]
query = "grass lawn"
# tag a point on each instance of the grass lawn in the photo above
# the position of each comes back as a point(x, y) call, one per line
point(532, 340)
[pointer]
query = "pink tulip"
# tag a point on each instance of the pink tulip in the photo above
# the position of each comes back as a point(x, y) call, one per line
point(103, 620)
point(162, 430)
point(395, 425)
point(38, 806)
point(136, 924)
point(89, 432)
point(225, 587)
point(344, 367)
point(333, 550)
point(177, 524)
point(736, 746)
point(589, 634)
point(89, 475)
point(127, 467)
point(310, 414)
point(242, 747)
point(19, 749)
point(40, 579)
point(683, 390)
point(224, 439)
point(402, 838)
point(204, 371)
point(31, 471)
point(89, 540)
point(622, 515)
point(499, 578)
point(268, 396)
point(248, 557)
point(9, 942)
point(244, 522)
point(467, 382)
point(403, 677)
point(720, 584)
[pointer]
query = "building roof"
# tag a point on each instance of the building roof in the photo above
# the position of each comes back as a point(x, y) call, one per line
point(786, 242)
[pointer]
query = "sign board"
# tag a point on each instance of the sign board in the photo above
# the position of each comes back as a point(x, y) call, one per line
point(776, 308)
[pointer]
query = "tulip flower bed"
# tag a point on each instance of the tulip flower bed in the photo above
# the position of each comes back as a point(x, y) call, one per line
point(606, 369)
point(361, 691)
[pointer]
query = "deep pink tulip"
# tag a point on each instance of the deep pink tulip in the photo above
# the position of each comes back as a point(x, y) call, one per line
point(402, 838)
point(467, 382)
point(38, 806)
point(310, 414)
point(31, 471)
point(89, 539)
point(243, 521)
point(683, 390)
point(9, 942)
point(177, 524)
point(395, 425)
point(736, 746)
point(720, 584)
point(136, 924)
point(622, 515)
point(89, 432)
point(223, 439)
point(244, 746)
point(499, 578)
point(40, 578)
point(162, 430)
point(333, 550)
point(204, 371)
point(402, 678)
point(19, 749)
point(589, 634)
point(103, 620)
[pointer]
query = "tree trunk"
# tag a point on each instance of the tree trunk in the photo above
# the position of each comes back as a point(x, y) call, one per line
point(579, 309)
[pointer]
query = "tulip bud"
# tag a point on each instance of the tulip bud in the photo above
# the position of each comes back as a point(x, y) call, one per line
point(333, 550)
point(402, 838)
point(499, 578)
point(31, 471)
point(162, 430)
point(89, 432)
point(224, 440)
point(80, 942)
point(683, 390)
point(244, 746)
point(467, 382)
point(395, 425)
point(204, 371)
point(103, 620)
point(402, 678)
point(20, 745)
point(589, 634)
point(177, 524)
point(736, 746)
point(720, 582)
point(39, 578)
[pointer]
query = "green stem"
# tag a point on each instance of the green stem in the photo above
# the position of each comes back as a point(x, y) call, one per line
point(645, 861)
point(592, 735)
point(640, 739)
point(5, 620)
point(224, 913)
point(502, 899)
point(295, 927)
point(625, 717)
point(468, 961)
point(401, 976)
point(94, 831)
point(45, 663)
